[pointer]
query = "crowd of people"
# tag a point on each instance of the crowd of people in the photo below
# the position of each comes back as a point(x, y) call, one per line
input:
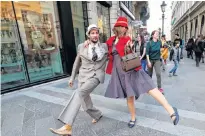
point(172, 50)
point(196, 47)
point(91, 61)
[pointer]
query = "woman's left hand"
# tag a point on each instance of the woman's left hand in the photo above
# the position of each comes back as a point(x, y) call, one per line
point(140, 57)
point(86, 43)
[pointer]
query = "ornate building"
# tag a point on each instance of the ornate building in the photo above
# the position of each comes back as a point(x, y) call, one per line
point(142, 13)
point(188, 19)
point(105, 14)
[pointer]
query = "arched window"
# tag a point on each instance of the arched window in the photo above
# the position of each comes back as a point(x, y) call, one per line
point(202, 24)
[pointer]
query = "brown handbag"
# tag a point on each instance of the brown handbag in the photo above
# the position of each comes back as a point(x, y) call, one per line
point(130, 61)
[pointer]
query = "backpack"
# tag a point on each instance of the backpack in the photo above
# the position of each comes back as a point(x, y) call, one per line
point(171, 54)
point(198, 49)
point(189, 46)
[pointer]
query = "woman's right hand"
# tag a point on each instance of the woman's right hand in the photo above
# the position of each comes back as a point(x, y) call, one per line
point(149, 64)
point(70, 83)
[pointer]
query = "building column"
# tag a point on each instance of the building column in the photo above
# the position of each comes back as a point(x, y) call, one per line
point(199, 25)
point(114, 13)
point(179, 31)
point(92, 12)
point(193, 27)
point(203, 31)
point(185, 32)
point(189, 29)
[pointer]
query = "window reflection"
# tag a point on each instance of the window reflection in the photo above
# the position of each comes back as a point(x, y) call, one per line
point(37, 24)
point(78, 21)
point(103, 22)
point(13, 71)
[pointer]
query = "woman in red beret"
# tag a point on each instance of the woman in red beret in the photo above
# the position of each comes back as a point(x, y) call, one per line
point(133, 83)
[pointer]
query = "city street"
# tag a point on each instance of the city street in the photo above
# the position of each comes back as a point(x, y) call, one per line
point(32, 111)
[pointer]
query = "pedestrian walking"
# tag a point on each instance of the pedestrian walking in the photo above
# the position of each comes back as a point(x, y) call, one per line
point(173, 57)
point(189, 48)
point(153, 53)
point(134, 82)
point(203, 46)
point(140, 48)
point(91, 63)
point(164, 52)
point(179, 41)
point(181, 49)
point(198, 49)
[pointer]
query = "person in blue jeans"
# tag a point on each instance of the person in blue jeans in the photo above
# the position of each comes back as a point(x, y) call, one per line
point(140, 49)
point(175, 60)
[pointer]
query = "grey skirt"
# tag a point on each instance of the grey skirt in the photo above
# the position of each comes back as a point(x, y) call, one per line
point(126, 84)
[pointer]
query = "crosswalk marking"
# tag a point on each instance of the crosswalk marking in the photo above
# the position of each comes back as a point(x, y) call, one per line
point(122, 116)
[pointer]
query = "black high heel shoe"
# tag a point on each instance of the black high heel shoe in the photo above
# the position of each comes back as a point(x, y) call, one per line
point(131, 124)
point(176, 115)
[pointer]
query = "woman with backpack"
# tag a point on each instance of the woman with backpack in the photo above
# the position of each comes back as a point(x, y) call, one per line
point(153, 52)
point(189, 47)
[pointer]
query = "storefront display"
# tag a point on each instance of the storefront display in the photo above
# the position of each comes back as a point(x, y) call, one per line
point(36, 22)
point(103, 22)
point(29, 43)
point(12, 63)
point(78, 21)
point(37, 41)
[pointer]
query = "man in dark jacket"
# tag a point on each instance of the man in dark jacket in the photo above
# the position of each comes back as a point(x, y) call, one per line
point(199, 49)
point(203, 46)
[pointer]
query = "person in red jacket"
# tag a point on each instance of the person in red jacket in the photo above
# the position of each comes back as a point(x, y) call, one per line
point(133, 83)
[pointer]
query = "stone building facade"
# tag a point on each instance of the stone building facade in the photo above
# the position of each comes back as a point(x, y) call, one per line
point(105, 14)
point(188, 19)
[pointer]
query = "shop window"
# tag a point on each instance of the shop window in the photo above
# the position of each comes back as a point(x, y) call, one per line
point(13, 71)
point(39, 33)
point(103, 22)
point(78, 22)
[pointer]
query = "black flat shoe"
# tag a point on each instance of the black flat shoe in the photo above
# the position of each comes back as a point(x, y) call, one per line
point(176, 115)
point(131, 124)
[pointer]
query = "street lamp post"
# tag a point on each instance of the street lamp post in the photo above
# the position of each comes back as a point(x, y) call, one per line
point(159, 33)
point(163, 10)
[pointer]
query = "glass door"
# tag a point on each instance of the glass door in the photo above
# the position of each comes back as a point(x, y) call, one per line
point(13, 71)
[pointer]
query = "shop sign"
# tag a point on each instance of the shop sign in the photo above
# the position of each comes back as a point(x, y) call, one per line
point(137, 23)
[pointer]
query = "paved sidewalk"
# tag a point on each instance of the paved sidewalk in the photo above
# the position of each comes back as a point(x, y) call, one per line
point(32, 111)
